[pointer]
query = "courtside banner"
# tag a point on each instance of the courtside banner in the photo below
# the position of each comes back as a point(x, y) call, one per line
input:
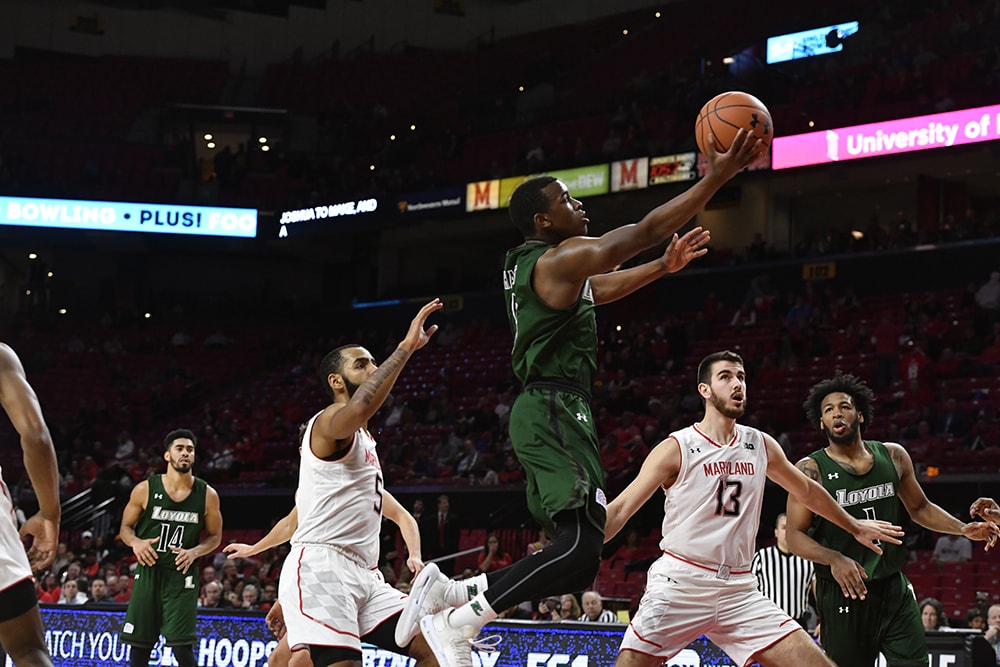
point(585, 181)
point(673, 168)
point(630, 174)
point(906, 135)
point(85, 637)
point(432, 202)
point(482, 195)
point(109, 216)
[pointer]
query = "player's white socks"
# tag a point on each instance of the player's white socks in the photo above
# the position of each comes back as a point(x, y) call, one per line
point(477, 613)
point(465, 590)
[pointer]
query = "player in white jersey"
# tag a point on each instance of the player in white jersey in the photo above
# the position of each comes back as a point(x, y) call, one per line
point(21, 632)
point(713, 475)
point(331, 591)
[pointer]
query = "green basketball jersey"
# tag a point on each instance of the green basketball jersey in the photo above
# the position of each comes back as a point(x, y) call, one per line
point(549, 343)
point(868, 496)
point(177, 524)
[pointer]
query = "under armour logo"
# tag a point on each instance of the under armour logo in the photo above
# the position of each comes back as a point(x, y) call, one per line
point(833, 475)
point(747, 445)
point(695, 450)
point(580, 417)
point(158, 496)
point(845, 610)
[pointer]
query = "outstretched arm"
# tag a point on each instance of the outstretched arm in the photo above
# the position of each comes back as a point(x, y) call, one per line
point(811, 494)
point(986, 509)
point(560, 272)
point(608, 287)
point(928, 514)
point(660, 469)
point(335, 427)
point(21, 404)
point(280, 533)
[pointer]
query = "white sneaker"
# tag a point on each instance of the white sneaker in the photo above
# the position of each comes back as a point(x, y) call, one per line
point(451, 646)
point(426, 598)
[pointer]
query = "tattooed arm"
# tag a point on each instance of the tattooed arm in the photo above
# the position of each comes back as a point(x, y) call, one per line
point(334, 429)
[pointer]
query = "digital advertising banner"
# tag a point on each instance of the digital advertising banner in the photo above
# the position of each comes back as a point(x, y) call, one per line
point(324, 212)
point(891, 137)
point(482, 195)
point(431, 202)
point(79, 637)
point(107, 216)
point(630, 174)
point(673, 168)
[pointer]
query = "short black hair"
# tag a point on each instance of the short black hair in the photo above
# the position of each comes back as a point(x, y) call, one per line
point(332, 363)
point(528, 200)
point(705, 367)
point(844, 383)
point(178, 433)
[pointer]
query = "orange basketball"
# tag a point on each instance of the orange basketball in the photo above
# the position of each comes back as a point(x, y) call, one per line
point(726, 113)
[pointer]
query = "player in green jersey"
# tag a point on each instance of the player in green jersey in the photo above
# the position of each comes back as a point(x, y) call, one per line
point(162, 524)
point(865, 603)
point(552, 282)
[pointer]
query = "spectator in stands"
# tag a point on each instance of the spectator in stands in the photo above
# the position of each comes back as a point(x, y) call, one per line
point(48, 588)
point(493, 557)
point(569, 607)
point(952, 549)
point(212, 597)
point(98, 590)
point(953, 422)
point(444, 534)
point(118, 589)
point(932, 614)
point(71, 593)
point(63, 558)
point(549, 609)
point(992, 634)
point(594, 611)
point(975, 619)
point(250, 597)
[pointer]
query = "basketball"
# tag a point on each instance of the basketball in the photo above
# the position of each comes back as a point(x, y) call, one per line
point(725, 114)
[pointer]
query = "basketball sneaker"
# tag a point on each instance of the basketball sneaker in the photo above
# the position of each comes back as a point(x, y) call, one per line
point(451, 646)
point(427, 596)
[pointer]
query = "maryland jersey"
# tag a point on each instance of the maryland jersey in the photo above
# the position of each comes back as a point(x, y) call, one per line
point(712, 511)
point(340, 501)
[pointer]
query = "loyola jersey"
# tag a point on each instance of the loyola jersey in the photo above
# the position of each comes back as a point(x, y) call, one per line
point(868, 496)
point(549, 343)
point(340, 501)
point(177, 524)
point(711, 513)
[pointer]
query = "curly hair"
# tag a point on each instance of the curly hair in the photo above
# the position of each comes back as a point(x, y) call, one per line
point(845, 383)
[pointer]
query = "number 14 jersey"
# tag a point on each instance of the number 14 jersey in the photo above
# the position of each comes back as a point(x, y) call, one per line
point(712, 511)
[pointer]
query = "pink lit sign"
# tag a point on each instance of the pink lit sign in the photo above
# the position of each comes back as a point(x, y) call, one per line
point(940, 130)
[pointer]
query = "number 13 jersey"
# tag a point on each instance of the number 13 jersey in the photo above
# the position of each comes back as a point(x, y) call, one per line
point(712, 511)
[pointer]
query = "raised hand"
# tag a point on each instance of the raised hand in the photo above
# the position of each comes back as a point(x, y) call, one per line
point(682, 250)
point(417, 336)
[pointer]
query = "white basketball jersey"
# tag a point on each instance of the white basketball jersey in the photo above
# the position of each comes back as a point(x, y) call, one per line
point(711, 513)
point(340, 501)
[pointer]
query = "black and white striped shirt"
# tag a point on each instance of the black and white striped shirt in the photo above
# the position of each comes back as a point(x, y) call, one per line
point(783, 578)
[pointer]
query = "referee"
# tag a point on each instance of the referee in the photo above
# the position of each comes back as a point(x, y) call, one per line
point(783, 577)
